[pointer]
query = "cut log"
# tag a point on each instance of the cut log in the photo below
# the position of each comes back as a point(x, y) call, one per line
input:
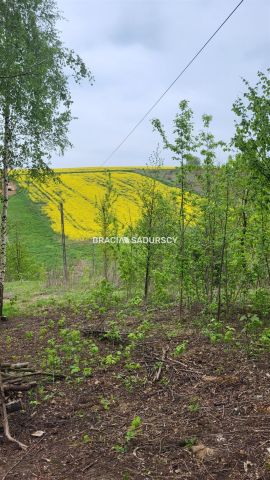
point(13, 366)
point(13, 379)
point(22, 387)
point(15, 406)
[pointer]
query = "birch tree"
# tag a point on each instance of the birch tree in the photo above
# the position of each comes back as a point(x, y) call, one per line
point(35, 100)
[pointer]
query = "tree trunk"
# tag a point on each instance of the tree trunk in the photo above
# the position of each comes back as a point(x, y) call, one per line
point(182, 239)
point(64, 251)
point(223, 251)
point(3, 233)
point(263, 242)
point(147, 277)
point(147, 273)
point(244, 230)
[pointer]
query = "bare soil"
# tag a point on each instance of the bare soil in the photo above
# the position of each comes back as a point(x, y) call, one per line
point(206, 417)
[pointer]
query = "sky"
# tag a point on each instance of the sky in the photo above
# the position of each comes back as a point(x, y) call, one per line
point(135, 49)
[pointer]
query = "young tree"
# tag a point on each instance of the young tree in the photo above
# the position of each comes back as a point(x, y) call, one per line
point(252, 137)
point(107, 220)
point(252, 167)
point(150, 197)
point(222, 255)
point(147, 264)
point(35, 101)
point(20, 264)
point(182, 148)
point(209, 205)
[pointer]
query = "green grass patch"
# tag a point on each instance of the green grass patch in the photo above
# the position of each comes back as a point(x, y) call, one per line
point(34, 231)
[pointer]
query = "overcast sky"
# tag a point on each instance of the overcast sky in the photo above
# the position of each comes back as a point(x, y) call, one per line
point(135, 49)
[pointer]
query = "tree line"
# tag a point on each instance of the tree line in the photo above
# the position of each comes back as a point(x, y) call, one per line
point(222, 253)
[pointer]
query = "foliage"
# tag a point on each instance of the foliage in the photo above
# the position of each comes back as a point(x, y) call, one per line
point(34, 87)
point(21, 266)
point(252, 128)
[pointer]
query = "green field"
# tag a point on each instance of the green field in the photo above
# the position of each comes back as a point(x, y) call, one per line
point(34, 232)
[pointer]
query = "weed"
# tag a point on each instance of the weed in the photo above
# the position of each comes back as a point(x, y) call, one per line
point(61, 322)
point(134, 429)
point(264, 338)
point(86, 439)
point(131, 433)
point(194, 406)
point(112, 359)
point(87, 372)
point(229, 334)
point(74, 369)
point(190, 442)
point(132, 366)
point(113, 333)
point(43, 331)
point(8, 340)
point(252, 323)
point(180, 349)
point(93, 348)
point(51, 358)
point(120, 448)
point(106, 403)
point(29, 335)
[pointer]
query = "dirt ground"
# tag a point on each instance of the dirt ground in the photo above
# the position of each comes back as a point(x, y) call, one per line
point(206, 416)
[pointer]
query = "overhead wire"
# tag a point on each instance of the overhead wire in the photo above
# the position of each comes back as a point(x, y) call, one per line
point(172, 84)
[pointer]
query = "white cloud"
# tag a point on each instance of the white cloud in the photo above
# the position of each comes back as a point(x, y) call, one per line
point(135, 49)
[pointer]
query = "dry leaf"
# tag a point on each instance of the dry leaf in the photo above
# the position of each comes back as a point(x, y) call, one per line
point(201, 451)
point(38, 434)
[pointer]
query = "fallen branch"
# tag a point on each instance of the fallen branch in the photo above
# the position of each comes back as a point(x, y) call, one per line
point(14, 378)
point(5, 417)
point(158, 373)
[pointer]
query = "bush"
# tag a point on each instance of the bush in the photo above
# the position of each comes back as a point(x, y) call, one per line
point(21, 265)
point(260, 301)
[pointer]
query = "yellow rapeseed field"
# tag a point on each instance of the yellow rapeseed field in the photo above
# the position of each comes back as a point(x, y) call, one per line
point(82, 189)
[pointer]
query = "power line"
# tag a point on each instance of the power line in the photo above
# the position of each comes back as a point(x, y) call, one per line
point(172, 84)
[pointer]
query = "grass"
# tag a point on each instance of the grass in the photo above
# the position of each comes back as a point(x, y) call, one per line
point(28, 296)
point(35, 232)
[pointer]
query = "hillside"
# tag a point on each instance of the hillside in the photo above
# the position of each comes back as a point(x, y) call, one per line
point(34, 216)
point(82, 192)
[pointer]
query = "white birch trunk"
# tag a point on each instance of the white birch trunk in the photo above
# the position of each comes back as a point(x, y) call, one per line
point(3, 232)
